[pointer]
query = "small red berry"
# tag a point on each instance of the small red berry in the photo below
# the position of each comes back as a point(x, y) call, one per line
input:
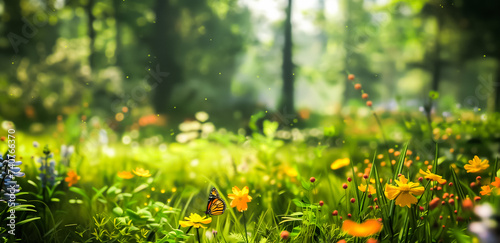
point(285, 235)
point(478, 178)
point(344, 186)
point(312, 179)
point(349, 179)
point(369, 196)
point(472, 184)
point(455, 211)
point(321, 203)
point(335, 213)
point(477, 198)
point(420, 179)
point(365, 176)
point(421, 208)
point(364, 96)
point(369, 103)
point(379, 219)
point(349, 215)
point(2, 138)
point(357, 86)
point(353, 200)
point(450, 184)
point(441, 217)
point(375, 200)
point(350, 76)
point(439, 188)
point(376, 207)
point(340, 217)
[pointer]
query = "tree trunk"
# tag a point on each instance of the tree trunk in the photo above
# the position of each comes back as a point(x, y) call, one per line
point(165, 44)
point(13, 25)
point(496, 86)
point(118, 40)
point(348, 49)
point(91, 32)
point(436, 71)
point(287, 104)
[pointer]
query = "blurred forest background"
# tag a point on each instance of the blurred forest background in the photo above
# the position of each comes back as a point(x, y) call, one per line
point(134, 63)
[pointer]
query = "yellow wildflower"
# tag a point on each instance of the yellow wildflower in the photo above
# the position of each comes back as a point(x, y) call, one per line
point(339, 163)
point(431, 176)
point(141, 172)
point(195, 220)
point(125, 175)
point(404, 192)
point(371, 189)
point(475, 165)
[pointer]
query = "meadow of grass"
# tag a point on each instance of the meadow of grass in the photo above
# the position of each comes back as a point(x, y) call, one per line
point(414, 178)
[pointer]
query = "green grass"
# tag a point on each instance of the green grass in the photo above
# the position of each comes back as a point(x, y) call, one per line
point(101, 207)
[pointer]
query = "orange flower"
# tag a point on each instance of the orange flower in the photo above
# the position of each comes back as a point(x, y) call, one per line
point(475, 165)
point(339, 163)
point(496, 183)
point(125, 175)
point(72, 178)
point(485, 190)
point(141, 172)
point(240, 198)
point(467, 204)
point(367, 228)
point(434, 203)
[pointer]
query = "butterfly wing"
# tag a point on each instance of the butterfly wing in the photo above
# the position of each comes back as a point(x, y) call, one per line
point(216, 205)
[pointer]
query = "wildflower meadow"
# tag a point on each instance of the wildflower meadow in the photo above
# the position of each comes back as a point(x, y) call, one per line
point(274, 185)
point(250, 121)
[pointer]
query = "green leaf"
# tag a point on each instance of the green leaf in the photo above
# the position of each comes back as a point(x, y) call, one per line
point(307, 185)
point(79, 192)
point(98, 192)
point(118, 211)
point(299, 203)
point(27, 220)
point(141, 187)
point(33, 183)
point(433, 94)
point(270, 128)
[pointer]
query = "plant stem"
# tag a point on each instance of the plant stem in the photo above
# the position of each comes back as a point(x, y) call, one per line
point(383, 138)
point(245, 225)
point(198, 234)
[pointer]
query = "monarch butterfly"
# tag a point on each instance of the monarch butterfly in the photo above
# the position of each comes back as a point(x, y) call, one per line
point(216, 205)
